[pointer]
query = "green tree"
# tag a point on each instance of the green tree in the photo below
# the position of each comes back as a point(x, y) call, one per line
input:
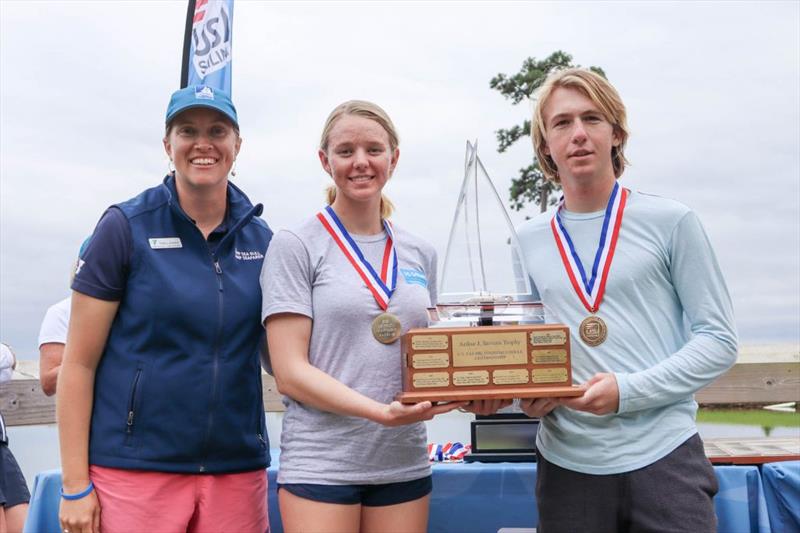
point(531, 185)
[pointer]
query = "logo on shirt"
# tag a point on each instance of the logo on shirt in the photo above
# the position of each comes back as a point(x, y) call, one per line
point(414, 276)
point(247, 256)
point(78, 265)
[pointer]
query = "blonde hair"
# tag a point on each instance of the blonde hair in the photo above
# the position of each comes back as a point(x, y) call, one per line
point(602, 94)
point(368, 110)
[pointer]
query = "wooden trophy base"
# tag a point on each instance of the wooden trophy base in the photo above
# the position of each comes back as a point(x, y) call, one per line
point(486, 362)
point(488, 394)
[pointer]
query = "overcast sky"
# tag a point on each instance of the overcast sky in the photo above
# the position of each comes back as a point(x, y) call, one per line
point(712, 89)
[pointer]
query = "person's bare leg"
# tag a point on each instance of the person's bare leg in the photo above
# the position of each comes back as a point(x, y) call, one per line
point(406, 517)
point(3, 527)
point(300, 515)
point(15, 518)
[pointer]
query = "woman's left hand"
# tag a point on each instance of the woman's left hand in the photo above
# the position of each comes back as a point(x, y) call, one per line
point(486, 407)
point(398, 414)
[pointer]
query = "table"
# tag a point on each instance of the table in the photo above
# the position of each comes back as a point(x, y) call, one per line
point(483, 497)
point(486, 497)
point(740, 504)
point(477, 497)
point(782, 493)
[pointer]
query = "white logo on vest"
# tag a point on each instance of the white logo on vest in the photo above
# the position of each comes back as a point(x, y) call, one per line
point(247, 256)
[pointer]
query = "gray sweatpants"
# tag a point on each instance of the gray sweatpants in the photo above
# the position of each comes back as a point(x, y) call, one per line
point(674, 494)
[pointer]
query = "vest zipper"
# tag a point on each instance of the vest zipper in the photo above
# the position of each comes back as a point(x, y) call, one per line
point(254, 211)
point(132, 402)
point(215, 378)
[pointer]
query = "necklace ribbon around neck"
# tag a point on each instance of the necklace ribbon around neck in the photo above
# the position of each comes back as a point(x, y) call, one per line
point(591, 290)
point(381, 286)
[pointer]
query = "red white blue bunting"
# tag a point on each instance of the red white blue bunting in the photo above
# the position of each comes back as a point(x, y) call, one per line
point(451, 451)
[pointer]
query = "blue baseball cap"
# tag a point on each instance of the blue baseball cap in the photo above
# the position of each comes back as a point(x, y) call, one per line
point(201, 96)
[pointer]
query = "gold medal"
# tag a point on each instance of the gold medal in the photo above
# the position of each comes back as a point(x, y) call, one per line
point(593, 330)
point(386, 328)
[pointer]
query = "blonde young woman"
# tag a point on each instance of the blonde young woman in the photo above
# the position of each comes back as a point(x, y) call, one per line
point(338, 291)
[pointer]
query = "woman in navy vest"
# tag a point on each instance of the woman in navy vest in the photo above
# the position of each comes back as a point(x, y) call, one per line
point(160, 413)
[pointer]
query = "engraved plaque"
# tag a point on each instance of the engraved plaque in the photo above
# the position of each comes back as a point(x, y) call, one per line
point(513, 376)
point(471, 363)
point(549, 375)
point(430, 360)
point(431, 379)
point(483, 349)
point(548, 338)
point(545, 357)
point(471, 377)
point(429, 342)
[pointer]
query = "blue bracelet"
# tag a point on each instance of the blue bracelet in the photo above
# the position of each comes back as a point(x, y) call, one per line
point(78, 496)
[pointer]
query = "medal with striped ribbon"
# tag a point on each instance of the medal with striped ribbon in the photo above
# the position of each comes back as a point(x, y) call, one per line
point(593, 330)
point(386, 327)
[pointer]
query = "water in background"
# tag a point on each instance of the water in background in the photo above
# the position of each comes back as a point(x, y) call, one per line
point(36, 447)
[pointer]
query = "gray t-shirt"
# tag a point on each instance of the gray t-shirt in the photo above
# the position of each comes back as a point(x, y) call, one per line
point(306, 273)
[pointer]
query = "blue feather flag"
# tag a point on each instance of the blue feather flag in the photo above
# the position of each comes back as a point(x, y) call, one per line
point(208, 44)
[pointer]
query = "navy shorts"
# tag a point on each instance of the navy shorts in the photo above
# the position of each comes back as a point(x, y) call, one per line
point(13, 489)
point(368, 495)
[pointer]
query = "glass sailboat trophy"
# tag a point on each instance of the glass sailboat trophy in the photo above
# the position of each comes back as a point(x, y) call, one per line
point(486, 337)
point(484, 280)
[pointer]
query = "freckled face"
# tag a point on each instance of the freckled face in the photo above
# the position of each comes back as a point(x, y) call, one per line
point(203, 145)
point(578, 137)
point(359, 158)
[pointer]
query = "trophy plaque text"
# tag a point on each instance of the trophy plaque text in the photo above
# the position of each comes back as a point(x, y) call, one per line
point(469, 363)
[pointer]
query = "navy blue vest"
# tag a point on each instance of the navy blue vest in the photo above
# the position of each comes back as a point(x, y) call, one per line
point(178, 388)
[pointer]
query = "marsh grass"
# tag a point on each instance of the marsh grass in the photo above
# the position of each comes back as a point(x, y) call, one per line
point(754, 417)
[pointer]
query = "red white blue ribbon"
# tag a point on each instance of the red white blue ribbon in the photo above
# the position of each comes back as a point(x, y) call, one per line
point(591, 290)
point(452, 451)
point(381, 286)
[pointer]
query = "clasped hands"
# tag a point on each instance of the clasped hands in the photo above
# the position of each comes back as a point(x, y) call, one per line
point(600, 397)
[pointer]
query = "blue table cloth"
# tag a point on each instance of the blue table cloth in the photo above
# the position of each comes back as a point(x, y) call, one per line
point(486, 497)
point(43, 510)
point(740, 503)
point(482, 498)
point(782, 493)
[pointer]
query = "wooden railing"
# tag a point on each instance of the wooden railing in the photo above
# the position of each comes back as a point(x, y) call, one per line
point(763, 374)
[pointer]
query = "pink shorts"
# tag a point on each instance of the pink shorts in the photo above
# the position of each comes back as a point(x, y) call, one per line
point(136, 500)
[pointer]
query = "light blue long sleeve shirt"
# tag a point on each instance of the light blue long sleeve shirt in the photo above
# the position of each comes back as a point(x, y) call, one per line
point(670, 332)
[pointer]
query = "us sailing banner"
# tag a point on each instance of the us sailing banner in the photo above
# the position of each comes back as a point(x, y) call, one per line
point(208, 44)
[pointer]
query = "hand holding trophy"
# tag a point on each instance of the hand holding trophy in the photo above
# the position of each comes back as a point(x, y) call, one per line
point(486, 337)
